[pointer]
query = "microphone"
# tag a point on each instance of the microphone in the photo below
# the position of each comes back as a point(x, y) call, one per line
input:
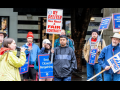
point(20, 48)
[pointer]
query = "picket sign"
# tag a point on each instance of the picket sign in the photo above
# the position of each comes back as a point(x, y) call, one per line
point(45, 66)
point(54, 24)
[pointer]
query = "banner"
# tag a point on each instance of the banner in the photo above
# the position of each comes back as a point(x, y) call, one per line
point(116, 22)
point(45, 67)
point(115, 62)
point(105, 23)
point(54, 21)
point(24, 68)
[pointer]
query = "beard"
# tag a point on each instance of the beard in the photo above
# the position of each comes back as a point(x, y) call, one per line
point(114, 44)
point(63, 45)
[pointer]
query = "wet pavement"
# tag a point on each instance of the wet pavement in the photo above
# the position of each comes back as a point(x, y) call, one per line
point(80, 77)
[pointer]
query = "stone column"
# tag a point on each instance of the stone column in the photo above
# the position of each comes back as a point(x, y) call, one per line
point(109, 32)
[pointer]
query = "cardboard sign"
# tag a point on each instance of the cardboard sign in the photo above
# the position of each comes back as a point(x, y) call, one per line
point(54, 21)
point(45, 67)
point(93, 56)
point(115, 62)
point(24, 68)
point(116, 22)
point(104, 23)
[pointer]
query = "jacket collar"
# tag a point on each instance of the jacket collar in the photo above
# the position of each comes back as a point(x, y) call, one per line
point(98, 38)
point(27, 44)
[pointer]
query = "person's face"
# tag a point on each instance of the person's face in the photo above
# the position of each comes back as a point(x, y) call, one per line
point(115, 41)
point(47, 46)
point(12, 46)
point(1, 38)
point(62, 32)
point(94, 35)
point(63, 41)
point(29, 39)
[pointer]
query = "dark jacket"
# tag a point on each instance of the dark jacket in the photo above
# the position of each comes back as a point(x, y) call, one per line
point(64, 62)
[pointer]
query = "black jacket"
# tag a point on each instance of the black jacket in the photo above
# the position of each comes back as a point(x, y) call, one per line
point(64, 62)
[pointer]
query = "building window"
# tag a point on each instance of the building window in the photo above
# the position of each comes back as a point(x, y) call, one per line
point(94, 23)
point(4, 24)
point(68, 27)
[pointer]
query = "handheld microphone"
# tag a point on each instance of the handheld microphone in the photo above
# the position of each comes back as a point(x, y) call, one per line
point(20, 48)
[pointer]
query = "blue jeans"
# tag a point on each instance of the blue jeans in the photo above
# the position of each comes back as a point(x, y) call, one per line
point(91, 69)
point(110, 77)
point(62, 79)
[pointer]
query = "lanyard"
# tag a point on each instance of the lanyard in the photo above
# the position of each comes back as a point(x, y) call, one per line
point(113, 58)
point(113, 52)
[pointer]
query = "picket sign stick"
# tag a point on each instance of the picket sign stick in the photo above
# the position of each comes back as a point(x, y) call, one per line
point(100, 38)
point(52, 48)
point(97, 75)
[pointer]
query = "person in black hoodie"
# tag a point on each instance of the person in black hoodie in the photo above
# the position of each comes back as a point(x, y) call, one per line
point(64, 61)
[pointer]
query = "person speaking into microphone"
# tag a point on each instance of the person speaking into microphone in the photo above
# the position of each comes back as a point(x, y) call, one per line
point(31, 52)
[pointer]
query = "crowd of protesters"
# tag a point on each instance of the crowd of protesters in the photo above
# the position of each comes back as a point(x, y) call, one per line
point(10, 63)
point(64, 59)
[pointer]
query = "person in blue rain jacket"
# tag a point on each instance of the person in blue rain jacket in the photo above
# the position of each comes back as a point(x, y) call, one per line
point(108, 52)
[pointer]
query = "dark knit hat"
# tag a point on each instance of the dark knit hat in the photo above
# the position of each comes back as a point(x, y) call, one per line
point(95, 30)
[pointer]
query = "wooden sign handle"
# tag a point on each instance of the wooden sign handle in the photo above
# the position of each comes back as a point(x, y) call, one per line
point(52, 48)
point(100, 38)
point(97, 75)
point(53, 41)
